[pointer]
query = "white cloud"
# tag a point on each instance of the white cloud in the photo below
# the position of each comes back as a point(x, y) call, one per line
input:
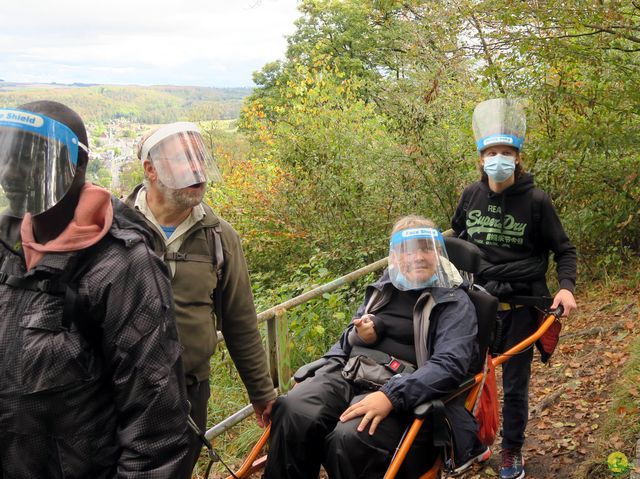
point(193, 42)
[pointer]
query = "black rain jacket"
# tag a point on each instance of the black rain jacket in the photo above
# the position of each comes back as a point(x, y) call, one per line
point(102, 403)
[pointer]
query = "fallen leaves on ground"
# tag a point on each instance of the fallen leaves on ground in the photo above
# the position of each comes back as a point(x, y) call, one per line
point(588, 360)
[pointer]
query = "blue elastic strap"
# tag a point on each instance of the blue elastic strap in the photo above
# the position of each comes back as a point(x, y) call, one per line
point(415, 233)
point(499, 139)
point(43, 126)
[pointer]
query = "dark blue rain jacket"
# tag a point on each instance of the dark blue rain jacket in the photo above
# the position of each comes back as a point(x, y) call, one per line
point(452, 350)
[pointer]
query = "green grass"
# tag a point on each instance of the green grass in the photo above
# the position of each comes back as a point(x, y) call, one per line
point(228, 396)
point(622, 420)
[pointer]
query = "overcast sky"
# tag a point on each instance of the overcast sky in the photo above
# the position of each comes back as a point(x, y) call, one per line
point(142, 42)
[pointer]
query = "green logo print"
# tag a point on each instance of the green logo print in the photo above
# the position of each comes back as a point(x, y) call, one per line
point(495, 233)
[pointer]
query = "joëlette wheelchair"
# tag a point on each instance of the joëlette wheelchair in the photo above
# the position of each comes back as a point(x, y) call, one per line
point(468, 259)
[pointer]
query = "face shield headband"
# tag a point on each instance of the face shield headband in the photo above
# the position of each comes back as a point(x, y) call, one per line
point(179, 155)
point(418, 260)
point(38, 160)
point(491, 140)
point(499, 121)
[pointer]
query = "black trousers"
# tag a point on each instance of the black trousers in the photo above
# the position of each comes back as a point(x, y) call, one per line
point(306, 432)
point(198, 395)
point(518, 324)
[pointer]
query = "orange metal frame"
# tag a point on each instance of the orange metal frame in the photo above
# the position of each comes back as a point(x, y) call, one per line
point(252, 463)
point(417, 423)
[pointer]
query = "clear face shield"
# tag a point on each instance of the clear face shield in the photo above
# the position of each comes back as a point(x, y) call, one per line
point(500, 121)
point(418, 259)
point(180, 157)
point(38, 160)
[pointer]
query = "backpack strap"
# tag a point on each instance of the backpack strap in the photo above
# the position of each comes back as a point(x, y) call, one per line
point(74, 309)
point(49, 286)
point(178, 256)
point(65, 285)
point(219, 253)
point(214, 240)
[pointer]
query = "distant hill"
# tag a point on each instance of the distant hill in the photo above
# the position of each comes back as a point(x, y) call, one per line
point(153, 104)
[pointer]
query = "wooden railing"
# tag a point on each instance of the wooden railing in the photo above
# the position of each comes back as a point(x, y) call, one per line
point(277, 333)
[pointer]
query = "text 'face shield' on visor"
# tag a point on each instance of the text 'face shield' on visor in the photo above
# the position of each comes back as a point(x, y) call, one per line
point(180, 157)
point(500, 121)
point(38, 160)
point(418, 259)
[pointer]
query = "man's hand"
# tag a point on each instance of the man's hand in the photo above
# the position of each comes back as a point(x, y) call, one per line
point(365, 329)
point(263, 411)
point(374, 407)
point(565, 298)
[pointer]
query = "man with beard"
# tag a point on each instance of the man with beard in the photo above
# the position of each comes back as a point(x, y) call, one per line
point(208, 269)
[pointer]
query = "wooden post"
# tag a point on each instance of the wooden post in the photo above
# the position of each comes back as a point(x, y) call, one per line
point(283, 351)
point(272, 350)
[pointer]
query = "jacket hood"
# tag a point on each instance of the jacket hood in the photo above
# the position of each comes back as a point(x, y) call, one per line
point(91, 221)
point(131, 199)
point(128, 224)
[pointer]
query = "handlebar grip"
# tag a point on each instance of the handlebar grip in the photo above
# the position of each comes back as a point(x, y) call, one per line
point(558, 311)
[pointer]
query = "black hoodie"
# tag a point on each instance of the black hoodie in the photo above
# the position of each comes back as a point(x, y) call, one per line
point(503, 226)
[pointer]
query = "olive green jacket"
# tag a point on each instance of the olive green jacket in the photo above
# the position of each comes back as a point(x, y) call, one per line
point(193, 285)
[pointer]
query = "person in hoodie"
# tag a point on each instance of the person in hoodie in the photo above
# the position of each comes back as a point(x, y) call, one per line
point(92, 382)
point(515, 225)
point(417, 312)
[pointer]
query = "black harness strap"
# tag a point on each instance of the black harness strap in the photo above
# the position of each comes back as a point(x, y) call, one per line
point(33, 284)
point(218, 258)
point(177, 256)
point(65, 284)
point(214, 235)
point(216, 232)
point(395, 365)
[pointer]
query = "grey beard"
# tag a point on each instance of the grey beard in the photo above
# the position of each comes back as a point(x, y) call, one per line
point(182, 199)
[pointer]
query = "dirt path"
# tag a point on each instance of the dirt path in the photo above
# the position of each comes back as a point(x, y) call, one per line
point(569, 398)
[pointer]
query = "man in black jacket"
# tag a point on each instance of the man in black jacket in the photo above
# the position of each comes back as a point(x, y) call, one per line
point(516, 226)
point(92, 383)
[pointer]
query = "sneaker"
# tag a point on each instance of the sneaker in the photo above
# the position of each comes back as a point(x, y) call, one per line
point(512, 464)
point(482, 456)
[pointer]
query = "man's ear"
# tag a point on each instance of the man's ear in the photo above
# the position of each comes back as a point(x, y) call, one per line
point(149, 171)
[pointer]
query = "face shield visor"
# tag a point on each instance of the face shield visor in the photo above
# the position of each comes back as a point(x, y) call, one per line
point(418, 259)
point(38, 160)
point(179, 155)
point(500, 121)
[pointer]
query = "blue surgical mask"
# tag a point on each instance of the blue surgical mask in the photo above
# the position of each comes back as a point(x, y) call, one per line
point(403, 284)
point(499, 167)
